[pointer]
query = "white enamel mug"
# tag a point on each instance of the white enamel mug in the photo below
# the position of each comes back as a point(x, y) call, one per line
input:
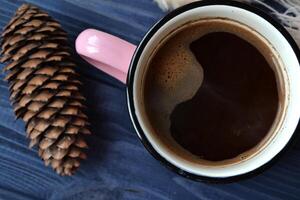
point(125, 61)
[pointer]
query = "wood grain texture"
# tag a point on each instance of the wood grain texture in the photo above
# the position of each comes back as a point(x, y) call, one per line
point(118, 166)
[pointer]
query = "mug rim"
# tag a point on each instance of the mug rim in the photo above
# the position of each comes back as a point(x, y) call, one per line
point(130, 85)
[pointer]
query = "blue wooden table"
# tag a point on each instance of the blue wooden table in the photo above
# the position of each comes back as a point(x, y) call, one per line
point(118, 166)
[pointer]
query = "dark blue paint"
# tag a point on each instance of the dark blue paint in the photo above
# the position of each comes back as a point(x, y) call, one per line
point(118, 166)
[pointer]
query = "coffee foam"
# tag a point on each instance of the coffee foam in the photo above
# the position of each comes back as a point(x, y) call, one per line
point(175, 85)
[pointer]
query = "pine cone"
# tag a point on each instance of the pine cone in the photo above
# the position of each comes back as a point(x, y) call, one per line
point(44, 87)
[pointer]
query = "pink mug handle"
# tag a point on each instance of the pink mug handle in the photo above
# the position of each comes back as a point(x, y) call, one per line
point(106, 52)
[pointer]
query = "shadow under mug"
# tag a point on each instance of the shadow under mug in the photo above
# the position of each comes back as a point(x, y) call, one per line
point(127, 63)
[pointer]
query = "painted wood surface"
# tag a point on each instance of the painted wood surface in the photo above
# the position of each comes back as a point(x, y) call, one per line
point(118, 166)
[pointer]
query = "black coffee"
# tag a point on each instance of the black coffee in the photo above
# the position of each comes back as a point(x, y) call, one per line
point(211, 90)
